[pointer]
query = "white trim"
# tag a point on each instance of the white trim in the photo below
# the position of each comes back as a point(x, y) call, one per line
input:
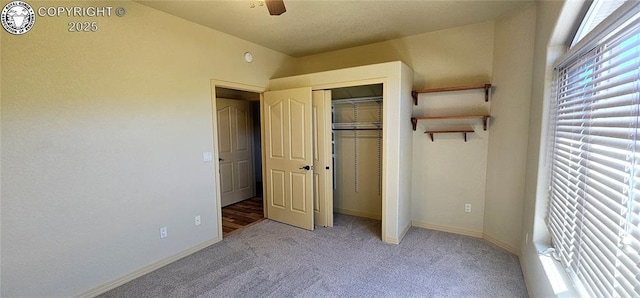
point(552, 44)
point(558, 279)
point(147, 269)
point(447, 229)
point(214, 125)
point(396, 105)
point(469, 233)
point(501, 244)
point(346, 84)
point(392, 240)
point(404, 231)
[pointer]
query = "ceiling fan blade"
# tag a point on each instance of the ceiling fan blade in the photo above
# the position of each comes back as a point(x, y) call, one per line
point(275, 7)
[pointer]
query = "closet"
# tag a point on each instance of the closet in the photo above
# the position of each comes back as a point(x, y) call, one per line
point(366, 144)
point(356, 136)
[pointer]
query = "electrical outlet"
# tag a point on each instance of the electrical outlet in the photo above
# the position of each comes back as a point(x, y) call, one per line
point(163, 232)
point(197, 220)
point(467, 208)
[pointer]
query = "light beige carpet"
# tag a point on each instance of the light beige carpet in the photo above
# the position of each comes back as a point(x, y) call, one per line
point(271, 259)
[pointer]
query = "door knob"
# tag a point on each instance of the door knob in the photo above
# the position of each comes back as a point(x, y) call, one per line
point(307, 167)
point(220, 159)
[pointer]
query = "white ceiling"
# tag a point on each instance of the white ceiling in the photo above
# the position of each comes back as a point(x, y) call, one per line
point(311, 27)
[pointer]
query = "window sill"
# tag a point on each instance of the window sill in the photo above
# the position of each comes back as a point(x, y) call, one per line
point(558, 278)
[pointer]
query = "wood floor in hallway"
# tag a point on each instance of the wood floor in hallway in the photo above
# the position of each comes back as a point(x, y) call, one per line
point(241, 215)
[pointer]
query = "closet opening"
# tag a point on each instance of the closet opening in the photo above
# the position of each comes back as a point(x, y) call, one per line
point(357, 142)
point(240, 158)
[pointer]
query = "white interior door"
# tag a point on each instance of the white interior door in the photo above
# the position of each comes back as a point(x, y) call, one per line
point(288, 156)
point(235, 148)
point(322, 172)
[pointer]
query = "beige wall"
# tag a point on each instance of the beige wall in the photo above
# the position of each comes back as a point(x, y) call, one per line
point(103, 135)
point(103, 139)
point(489, 170)
point(447, 173)
point(461, 55)
point(508, 137)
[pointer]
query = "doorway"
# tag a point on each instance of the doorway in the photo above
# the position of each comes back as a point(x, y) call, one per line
point(237, 134)
point(357, 139)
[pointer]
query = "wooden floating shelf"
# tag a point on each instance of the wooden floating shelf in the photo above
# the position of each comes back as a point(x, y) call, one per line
point(486, 87)
point(462, 131)
point(485, 119)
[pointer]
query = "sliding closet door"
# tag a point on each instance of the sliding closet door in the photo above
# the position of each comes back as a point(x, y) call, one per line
point(322, 163)
point(289, 156)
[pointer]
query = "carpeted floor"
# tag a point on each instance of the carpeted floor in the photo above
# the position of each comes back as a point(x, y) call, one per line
point(270, 259)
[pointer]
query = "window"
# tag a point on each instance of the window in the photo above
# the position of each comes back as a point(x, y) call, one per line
point(594, 205)
point(598, 11)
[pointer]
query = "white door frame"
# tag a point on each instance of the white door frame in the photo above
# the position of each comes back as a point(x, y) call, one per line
point(216, 165)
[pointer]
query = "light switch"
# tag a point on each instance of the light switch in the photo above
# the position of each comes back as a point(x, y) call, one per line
point(207, 156)
point(163, 232)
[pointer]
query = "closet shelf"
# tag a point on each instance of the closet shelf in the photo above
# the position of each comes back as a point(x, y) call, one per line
point(486, 87)
point(463, 131)
point(485, 118)
point(357, 100)
point(357, 126)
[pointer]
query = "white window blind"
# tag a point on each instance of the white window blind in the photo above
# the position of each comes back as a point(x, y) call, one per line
point(594, 207)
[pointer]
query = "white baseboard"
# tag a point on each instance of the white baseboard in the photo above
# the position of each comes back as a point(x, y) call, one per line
point(447, 229)
point(393, 240)
point(404, 231)
point(144, 270)
point(501, 244)
point(465, 232)
point(358, 213)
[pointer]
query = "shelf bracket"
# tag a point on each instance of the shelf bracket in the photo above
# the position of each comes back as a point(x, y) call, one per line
point(415, 98)
point(487, 89)
point(463, 132)
point(414, 123)
point(485, 120)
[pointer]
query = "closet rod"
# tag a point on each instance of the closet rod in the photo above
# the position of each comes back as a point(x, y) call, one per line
point(357, 100)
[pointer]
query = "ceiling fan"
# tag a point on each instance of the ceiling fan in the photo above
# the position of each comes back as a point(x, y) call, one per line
point(275, 7)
